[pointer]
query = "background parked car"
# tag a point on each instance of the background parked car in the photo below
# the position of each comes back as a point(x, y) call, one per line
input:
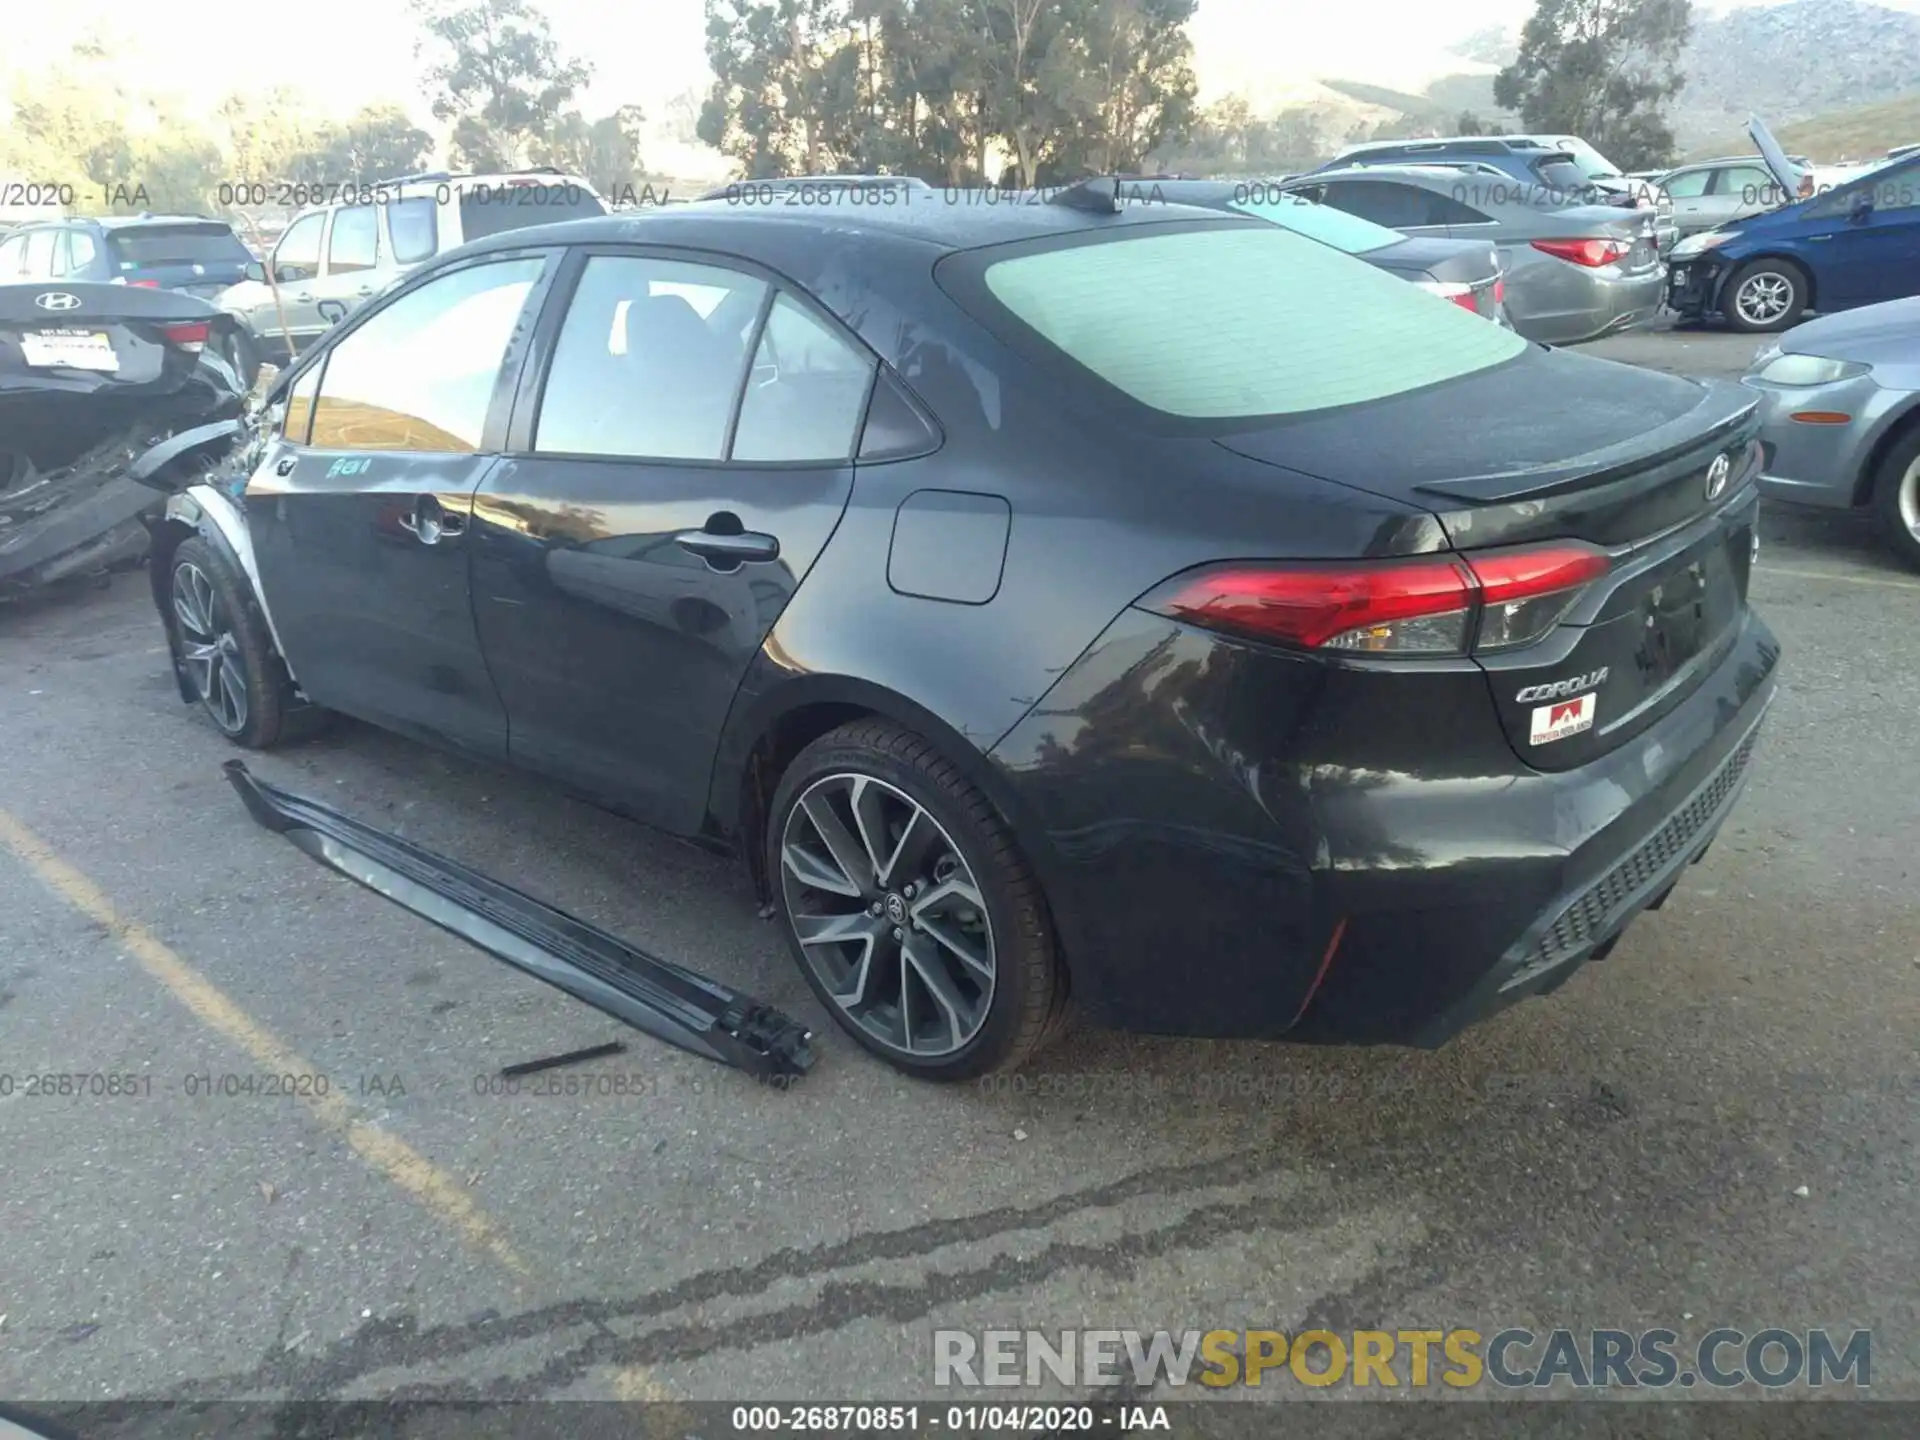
point(1466, 272)
point(1563, 169)
point(1856, 244)
point(156, 252)
point(1714, 192)
point(1842, 416)
point(92, 376)
point(1571, 273)
point(333, 257)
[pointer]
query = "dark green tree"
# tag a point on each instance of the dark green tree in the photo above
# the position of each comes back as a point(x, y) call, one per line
point(1604, 70)
point(497, 76)
point(604, 152)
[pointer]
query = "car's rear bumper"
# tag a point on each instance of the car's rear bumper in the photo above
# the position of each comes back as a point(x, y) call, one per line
point(1567, 304)
point(1237, 843)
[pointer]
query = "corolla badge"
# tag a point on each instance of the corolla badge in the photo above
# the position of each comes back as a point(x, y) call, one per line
point(1717, 476)
point(57, 300)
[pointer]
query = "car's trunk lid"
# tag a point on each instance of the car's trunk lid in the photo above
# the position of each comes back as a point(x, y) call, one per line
point(1634, 469)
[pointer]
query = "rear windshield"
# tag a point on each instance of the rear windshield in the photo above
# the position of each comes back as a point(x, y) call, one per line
point(1239, 322)
point(152, 245)
point(489, 209)
point(1321, 222)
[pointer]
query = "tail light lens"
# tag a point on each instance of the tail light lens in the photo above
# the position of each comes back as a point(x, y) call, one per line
point(1433, 605)
point(189, 335)
point(144, 284)
point(1461, 295)
point(1591, 253)
point(1500, 291)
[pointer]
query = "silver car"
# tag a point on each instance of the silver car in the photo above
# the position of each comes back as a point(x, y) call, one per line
point(1841, 400)
point(1718, 192)
point(335, 256)
point(1572, 273)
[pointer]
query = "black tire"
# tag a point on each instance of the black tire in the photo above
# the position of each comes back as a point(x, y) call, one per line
point(1011, 1017)
point(243, 687)
point(1764, 296)
point(1896, 497)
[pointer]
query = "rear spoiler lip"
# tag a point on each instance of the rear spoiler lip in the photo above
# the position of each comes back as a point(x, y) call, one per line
point(652, 995)
point(1667, 442)
point(148, 469)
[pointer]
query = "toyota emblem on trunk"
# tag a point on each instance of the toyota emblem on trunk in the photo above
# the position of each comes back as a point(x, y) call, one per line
point(57, 300)
point(1717, 476)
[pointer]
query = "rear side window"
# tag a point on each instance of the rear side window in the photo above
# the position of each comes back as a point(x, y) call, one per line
point(1398, 207)
point(1321, 222)
point(650, 360)
point(354, 242)
point(80, 250)
point(420, 374)
point(150, 245)
point(414, 227)
point(40, 245)
point(806, 393)
point(1242, 322)
point(487, 209)
point(1693, 184)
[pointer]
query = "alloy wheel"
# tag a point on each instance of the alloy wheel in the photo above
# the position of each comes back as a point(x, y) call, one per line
point(888, 914)
point(1763, 298)
point(1907, 497)
point(209, 648)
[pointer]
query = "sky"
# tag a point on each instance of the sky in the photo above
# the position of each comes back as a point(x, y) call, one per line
point(349, 52)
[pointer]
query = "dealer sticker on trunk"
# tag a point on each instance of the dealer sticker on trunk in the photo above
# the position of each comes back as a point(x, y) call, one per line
point(1562, 718)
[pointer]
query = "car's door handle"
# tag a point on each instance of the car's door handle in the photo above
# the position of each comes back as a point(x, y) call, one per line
point(729, 550)
point(429, 522)
point(285, 467)
point(364, 290)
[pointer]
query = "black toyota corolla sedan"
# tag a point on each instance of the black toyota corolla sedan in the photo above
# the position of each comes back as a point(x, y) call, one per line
point(1137, 603)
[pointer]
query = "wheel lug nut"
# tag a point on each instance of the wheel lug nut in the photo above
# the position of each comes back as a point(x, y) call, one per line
point(874, 909)
point(899, 934)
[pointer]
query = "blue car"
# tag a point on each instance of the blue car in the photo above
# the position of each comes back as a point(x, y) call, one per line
point(1854, 244)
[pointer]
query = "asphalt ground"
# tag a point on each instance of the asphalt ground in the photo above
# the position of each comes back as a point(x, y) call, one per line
point(1715, 1127)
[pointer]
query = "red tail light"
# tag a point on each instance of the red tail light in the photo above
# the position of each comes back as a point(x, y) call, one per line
point(188, 335)
point(1500, 291)
point(1461, 295)
point(1591, 253)
point(144, 284)
point(1432, 605)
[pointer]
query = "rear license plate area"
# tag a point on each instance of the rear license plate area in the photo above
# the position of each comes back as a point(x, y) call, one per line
point(68, 349)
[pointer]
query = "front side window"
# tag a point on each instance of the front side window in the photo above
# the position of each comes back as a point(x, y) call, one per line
point(297, 424)
point(40, 245)
point(1241, 322)
point(650, 360)
point(297, 256)
point(806, 394)
point(419, 374)
point(355, 241)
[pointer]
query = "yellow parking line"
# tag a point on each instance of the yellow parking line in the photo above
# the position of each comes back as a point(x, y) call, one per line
point(438, 1192)
point(1879, 580)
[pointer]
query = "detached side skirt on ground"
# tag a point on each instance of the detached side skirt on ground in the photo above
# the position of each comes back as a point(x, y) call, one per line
point(648, 993)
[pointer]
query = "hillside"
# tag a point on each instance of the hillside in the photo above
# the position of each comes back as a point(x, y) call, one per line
point(1792, 62)
point(1863, 132)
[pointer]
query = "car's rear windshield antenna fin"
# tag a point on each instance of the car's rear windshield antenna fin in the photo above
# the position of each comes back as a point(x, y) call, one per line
point(1098, 195)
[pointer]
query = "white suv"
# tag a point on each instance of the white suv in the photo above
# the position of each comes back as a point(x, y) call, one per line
point(365, 237)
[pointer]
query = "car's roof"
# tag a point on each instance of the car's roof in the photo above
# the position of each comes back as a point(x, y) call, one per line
point(1426, 176)
point(954, 219)
point(134, 222)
